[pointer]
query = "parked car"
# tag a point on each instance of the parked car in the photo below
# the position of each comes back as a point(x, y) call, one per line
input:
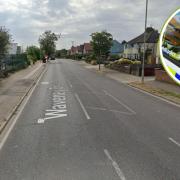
point(52, 58)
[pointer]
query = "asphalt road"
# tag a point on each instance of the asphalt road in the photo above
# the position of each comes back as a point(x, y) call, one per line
point(80, 125)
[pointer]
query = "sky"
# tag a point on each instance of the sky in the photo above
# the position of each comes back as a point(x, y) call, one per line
point(77, 19)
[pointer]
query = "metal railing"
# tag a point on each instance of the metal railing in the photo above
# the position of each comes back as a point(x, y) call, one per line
point(11, 63)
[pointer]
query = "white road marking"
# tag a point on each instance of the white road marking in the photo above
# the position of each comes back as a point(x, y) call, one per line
point(69, 83)
point(82, 106)
point(105, 109)
point(121, 112)
point(5, 136)
point(41, 121)
point(44, 83)
point(115, 165)
point(174, 141)
point(59, 107)
point(97, 108)
point(117, 100)
point(54, 114)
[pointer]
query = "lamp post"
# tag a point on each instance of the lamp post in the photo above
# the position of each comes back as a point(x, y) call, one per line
point(143, 62)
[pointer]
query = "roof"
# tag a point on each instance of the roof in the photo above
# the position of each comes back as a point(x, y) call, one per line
point(152, 36)
point(117, 47)
point(80, 48)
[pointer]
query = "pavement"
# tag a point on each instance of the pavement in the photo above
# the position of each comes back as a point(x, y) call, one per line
point(80, 125)
point(13, 90)
point(165, 90)
point(116, 75)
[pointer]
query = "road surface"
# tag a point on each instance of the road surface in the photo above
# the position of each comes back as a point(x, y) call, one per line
point(80, 125)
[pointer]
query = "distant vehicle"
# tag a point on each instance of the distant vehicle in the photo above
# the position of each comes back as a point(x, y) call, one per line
point(52, 58)
point(44, 59)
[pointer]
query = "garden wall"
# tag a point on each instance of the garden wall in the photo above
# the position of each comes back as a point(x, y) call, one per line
point(162, 75)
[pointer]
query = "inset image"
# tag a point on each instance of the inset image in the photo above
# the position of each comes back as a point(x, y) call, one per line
point(170, 46)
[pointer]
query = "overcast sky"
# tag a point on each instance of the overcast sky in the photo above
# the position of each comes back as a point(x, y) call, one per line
point(77, 19)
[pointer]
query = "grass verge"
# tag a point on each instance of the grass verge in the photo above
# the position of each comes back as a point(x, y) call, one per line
point(171, 96)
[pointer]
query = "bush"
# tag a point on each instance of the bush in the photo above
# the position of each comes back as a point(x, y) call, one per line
point(87, 60)
point(33, 53)
point(113, 57)
point(124, 61)
point(79, 56)
point(136, 62)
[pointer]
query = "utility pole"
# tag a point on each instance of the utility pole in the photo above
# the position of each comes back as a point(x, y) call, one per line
point(144, 51)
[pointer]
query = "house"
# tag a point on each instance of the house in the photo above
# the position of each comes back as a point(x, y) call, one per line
point(73, 50)
point(13, 47)
point(134, 48)
point(87, 48)
point(19, 50)
point(69, 52)
point(80, 49)
point(117, 48)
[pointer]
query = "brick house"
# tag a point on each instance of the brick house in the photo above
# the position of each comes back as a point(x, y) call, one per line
point(87, 48)
point(73, 50)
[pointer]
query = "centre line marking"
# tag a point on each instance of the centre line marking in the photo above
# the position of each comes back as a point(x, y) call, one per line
point(82, 106)
point(44, 82)
point(115, 165)
point(97, 108)
point(69, 83)
point(117, 100)
point(174, 141)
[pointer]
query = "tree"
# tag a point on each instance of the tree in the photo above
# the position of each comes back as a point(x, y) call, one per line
point(33, 53)
point(5, 38)
point(61, 53)
point(47, 43)
point(101, 43)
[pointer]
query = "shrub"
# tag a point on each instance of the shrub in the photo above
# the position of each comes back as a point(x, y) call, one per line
point(125, 61)
point(88, 60)
point(136, 62)
point(33, 53)
point(79, 56)
point(113, 57)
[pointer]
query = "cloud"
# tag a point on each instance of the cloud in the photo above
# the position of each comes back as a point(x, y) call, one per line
point(77, 19)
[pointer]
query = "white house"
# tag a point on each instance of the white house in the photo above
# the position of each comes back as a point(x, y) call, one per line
point(13, 48)
point(135, 47)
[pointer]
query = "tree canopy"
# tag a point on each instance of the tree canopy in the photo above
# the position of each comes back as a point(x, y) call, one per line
point(61, 53)
point(5, 38)
point(33, 53)
point(47, 42)
point(101, 43)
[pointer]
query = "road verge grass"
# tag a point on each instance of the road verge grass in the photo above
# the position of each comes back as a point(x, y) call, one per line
point(171, 96)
